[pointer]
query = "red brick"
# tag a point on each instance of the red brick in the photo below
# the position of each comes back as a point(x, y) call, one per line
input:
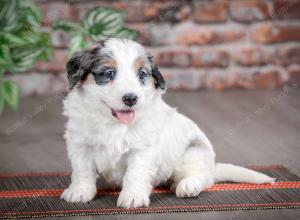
point(160, 33)
point(267, 78)
point(286, 9)
point(134, 10)
point(200, 35)
point(210, 11)
point(288, 55)
point(144, 33)
point(251, 55)
point(173, 58)
point(60, 39)
point(211, 58)
point(171, 11)
point(184, 79)
point(249, 10)
point(274, 33)
point(56, 64)
point(217, 80)
point(228, 34)
point(188, 34)
point(246, 78)
point(294, 75)
point(55, 11)
point(139, 11)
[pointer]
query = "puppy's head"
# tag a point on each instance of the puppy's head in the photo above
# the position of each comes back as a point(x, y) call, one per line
point(118, 75)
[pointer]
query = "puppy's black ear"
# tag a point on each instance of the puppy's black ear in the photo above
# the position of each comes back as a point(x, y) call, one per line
point(80, 65)
point(159, 81)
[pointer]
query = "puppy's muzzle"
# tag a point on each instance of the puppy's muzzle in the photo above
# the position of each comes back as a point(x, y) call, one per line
point(130, 99)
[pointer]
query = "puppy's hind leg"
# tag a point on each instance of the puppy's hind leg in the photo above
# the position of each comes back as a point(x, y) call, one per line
point(194, 173)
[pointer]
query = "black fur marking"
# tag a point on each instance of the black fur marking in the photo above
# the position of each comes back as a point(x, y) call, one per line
point(105, 75)
point(80, 65)
point(159, 81)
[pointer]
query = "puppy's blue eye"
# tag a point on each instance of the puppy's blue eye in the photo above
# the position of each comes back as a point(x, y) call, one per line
point(142, 75)
point(110, 73)
point(103, 77)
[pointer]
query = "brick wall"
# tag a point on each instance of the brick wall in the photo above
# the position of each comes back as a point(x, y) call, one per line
point(216, 45)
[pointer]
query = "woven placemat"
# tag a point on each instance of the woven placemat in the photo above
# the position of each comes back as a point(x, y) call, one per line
point(37, 195)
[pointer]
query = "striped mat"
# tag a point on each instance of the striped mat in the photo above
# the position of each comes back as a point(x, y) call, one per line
point(37, 195)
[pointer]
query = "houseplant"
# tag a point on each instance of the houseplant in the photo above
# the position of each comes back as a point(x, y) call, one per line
point(98, 24)
point(22, 44)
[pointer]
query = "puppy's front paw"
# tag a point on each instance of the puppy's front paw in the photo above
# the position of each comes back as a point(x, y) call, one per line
point(79, 193)
point(189, 187)
point(131, 199)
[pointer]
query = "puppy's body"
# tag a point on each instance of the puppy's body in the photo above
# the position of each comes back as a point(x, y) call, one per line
point(139, 146)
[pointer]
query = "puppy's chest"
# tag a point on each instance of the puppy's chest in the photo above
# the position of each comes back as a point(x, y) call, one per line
point(113, 145)
point(112, 167)
point(120, 139)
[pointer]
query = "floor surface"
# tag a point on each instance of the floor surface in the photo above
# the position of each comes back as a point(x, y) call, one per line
point(245, 127)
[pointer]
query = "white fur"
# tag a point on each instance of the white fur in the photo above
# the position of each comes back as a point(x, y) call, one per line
point(160, 143)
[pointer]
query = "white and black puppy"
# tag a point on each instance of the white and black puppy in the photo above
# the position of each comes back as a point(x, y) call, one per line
point(120, 128)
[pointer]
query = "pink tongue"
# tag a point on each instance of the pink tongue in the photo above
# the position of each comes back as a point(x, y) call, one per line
point(126, 117)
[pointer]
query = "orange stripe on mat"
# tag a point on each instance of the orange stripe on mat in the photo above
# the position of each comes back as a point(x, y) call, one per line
point(245, 186)
point(216, 187)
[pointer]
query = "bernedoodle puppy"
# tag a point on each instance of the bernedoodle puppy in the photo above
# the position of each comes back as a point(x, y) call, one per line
point(120, 128)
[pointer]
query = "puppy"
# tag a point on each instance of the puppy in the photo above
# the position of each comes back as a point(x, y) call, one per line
point(120, 128)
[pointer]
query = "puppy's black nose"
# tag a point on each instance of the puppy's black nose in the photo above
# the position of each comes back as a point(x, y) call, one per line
point(130, 99)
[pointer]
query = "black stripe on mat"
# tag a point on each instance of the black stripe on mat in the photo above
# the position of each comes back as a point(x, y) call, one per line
point(106, 204)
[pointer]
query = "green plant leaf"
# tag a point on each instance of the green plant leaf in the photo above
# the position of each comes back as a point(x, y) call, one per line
point(25, 63)
point(2, 71)
point(29, 35)
point(25, 57)
point(77, 43)
point(46, 44)
point(30, 13)
point(102, 23)
point(1, 101)
point(12, 40)
point(5, 57)
point(11, 94)
point(21, 44)
point(8, 15)
point(72, 28)
point(126, 33)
